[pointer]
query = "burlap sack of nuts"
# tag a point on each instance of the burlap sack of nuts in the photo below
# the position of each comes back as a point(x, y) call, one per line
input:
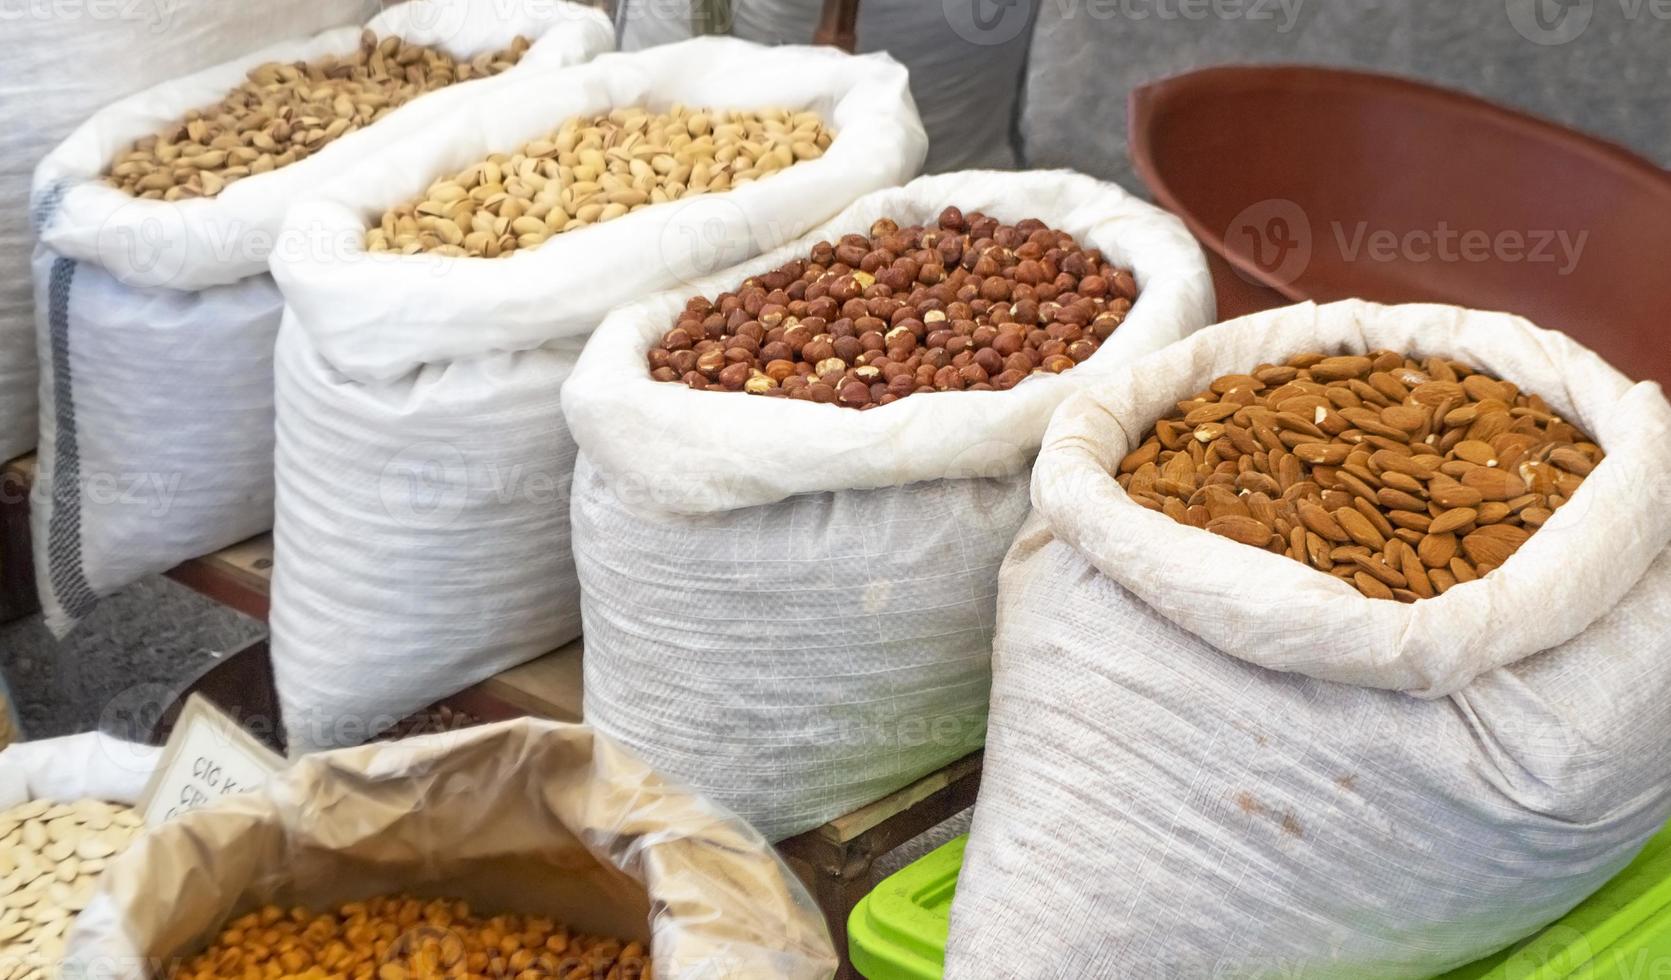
point(789, 604)
point(1273, 774)
point(523, 816)
point(156, 318)
point(423, 461)
point(62, 68)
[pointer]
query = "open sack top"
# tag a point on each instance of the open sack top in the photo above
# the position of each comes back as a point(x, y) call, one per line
point(202, 242)
point(703, 451)
point(376, 316)
point(523, 816)
point(91, 765)
point(1275, 612)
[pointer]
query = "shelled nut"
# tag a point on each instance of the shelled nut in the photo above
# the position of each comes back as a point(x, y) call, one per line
point(51, 855)
point(402, 938)
point(970, 304)
point(285, 112)
point(1403, 477)
point(596, 169)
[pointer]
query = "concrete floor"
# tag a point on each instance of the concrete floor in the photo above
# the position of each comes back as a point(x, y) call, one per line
point(119, 664)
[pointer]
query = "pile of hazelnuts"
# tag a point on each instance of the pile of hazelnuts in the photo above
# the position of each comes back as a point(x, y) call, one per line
point(968, 305)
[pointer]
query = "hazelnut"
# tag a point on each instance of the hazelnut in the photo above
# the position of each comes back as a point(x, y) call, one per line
point(818, 349)
point(973, 305)
point(734, 376)
point(711, 362)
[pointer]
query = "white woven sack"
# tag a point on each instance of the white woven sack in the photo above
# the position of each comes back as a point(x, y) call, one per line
point(156, 319)
point(422, 520)
point(790, 605)
point(91, 765)
point(968, 61)
point(1205, 759)
point(422, 534)
point(65, 61)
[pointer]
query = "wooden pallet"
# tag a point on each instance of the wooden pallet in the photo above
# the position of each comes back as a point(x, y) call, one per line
point(836, 860)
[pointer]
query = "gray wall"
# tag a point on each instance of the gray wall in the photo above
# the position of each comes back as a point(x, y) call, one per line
point(1612, 79)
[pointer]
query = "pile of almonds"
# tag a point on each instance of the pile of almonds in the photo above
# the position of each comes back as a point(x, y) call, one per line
point(596, 169)
point(402, 938)
point(1402, 477)
point(51, 855)
point(287, 112)
point(971, 304)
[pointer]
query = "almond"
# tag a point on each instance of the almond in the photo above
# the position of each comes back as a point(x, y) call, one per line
point(1436, 392)
point(1452, 519)
point(1457, 495)
point(1475, 451)
point(1572, 461)
point(1243, 529)
point(1404, 477)
point(1493, 545)
point(1371, 586)
point(1358, 527)
point(1436, 550)
point(1341, 368)
point(1494, 484)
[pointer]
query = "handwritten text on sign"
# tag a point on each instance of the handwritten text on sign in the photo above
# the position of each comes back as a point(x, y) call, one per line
point(208, 756)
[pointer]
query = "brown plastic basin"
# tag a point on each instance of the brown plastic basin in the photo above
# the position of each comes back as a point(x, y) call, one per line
point(1313, 183)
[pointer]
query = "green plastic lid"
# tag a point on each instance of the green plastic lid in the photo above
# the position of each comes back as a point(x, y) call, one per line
point(898, 931)
point(1622, 932)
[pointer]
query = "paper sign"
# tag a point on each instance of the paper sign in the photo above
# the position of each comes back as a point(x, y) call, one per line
point(208, 756)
